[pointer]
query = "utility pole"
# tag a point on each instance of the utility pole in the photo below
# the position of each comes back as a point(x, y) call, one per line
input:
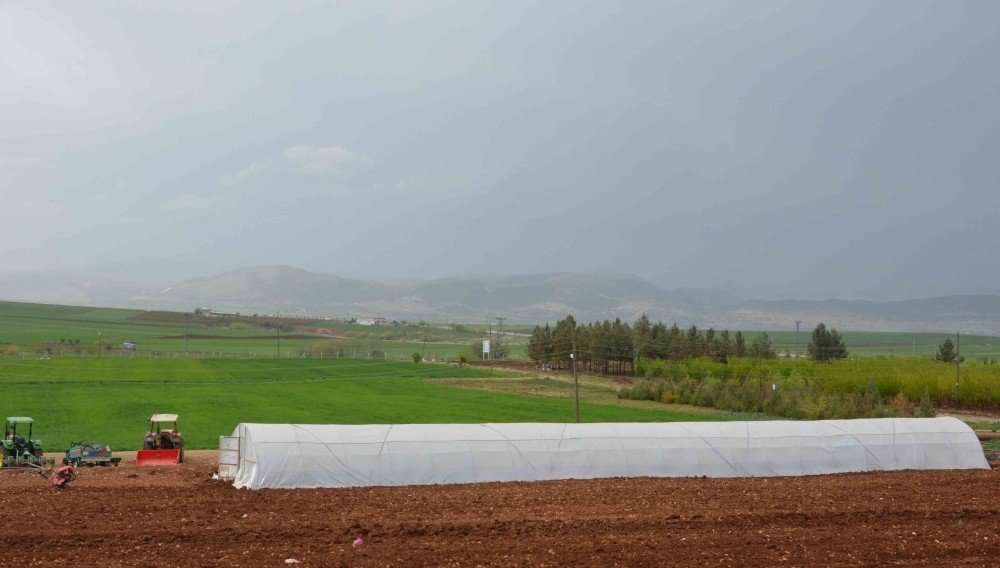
point(576, 381)
point(496, 348)
point(423, 351)
point(958, 360)
point(279, 340)
point(635, 347)
point(185, 335)
point(797, 324)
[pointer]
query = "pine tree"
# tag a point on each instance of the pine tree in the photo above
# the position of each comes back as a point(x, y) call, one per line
point(739, 345)
point(946, 352)
point(538, 345)
point(725, 343)
point(643, 332)
point(721, 348)
point(761, 348)
point(708, 346)
point(675, 343)
point(693, 343)
point(826, 344)
point(562, 341)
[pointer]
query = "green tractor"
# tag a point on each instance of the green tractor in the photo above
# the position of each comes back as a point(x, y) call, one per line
point(23, 452)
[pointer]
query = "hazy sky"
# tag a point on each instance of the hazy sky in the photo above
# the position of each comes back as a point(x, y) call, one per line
point(797, 149)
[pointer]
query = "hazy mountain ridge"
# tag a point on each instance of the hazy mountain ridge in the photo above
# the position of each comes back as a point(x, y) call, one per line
point(267, 289)
point(522, 298)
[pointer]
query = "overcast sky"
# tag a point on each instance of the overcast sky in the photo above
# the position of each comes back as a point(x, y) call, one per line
point(792, 149)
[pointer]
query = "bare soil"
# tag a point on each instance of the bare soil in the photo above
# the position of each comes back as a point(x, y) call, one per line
point(987, 416)
point(179, 516)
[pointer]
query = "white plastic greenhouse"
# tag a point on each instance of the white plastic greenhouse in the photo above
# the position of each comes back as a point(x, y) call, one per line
point(300, 456)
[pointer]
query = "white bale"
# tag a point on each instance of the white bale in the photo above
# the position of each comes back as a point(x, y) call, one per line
point(304, 456)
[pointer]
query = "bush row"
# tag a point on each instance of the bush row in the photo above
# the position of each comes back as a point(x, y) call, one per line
point(909, 379)
point(789, 398)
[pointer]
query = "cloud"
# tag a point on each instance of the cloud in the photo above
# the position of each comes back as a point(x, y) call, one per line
point(188, 201)
point(22, 163)
point(109, 193)
point(34, 209)
point(46, 58)
point(329, 160)
point(128, 221)
point(246, 173)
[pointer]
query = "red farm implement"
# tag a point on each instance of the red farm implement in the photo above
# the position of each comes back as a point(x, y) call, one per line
point(162, 446)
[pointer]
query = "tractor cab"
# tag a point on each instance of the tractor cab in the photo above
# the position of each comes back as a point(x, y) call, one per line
point(160, 435)
point(19, 448)
point(163, 444)
point(20, 443)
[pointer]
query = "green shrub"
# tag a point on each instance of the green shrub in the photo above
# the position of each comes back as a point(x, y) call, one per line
point(926, 408)
point(809, 390)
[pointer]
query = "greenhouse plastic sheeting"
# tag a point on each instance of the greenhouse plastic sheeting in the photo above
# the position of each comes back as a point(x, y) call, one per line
point(299, 455)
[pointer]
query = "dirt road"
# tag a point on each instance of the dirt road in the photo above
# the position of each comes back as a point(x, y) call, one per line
point(180, 517)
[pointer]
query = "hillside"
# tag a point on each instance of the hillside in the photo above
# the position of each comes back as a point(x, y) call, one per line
point(971, 313)
point(265, 289)
point(522, 298)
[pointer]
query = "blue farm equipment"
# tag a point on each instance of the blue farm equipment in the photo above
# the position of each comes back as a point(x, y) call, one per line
point(90, 454)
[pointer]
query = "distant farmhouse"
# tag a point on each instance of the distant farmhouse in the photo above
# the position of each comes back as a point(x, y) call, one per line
point(376, 321)
point(210, 313)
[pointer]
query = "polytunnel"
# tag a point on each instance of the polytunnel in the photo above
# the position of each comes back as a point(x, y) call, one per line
point(306, 456)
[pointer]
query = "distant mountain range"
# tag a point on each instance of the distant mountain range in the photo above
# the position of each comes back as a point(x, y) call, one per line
point(527, 299)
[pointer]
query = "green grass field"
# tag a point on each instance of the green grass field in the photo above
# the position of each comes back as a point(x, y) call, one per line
point(25, 328)
point(109, 400)
point(106, 396)
point(889, 343)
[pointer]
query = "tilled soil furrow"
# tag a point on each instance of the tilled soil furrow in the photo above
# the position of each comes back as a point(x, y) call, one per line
point(178, 517)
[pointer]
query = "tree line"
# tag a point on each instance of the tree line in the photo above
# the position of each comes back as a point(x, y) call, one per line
point(615, 346)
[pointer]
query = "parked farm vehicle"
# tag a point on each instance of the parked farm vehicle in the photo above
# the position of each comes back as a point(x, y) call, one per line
point(20, 452)
point(162, 446)
point(90, 454)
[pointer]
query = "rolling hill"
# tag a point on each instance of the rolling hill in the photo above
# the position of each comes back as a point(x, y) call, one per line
point(522, 298)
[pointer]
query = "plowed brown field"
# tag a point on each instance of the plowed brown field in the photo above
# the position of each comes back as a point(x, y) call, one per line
point(180, 517)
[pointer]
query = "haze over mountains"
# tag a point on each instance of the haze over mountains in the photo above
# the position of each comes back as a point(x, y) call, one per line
point(524, 298)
